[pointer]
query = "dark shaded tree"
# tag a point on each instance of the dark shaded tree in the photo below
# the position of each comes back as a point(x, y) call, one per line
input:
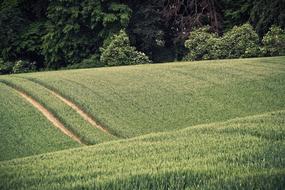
point(76, 29)
point(266, 13)
point(161, 25)
point(262, 14)
point(22, 27)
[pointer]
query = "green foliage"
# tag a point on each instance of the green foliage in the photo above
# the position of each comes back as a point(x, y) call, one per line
point(236, 13)
point(238, 42)
point(245, 153)
point(266, 13)
point(30, 42)
point(62, 33)
point(12, 23)
point(262, 14)
point(90, 62)
point(76, 29)
point(22, 66)
point(241, 42)
point(199, 44)
point(21, 31)
point(274, 42)
point(6, 67)
point(147, 31)
point(118, 51)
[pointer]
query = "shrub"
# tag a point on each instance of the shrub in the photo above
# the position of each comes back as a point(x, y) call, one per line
point(90, 62)
point(199, 44)
point(241, 42)
point(274, 42)
point(118, 51)
point(23, 66)
point(5, 67)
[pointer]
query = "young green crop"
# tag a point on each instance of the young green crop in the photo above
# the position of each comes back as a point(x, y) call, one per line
point(137, 100)
point(72, 120)
point(245, 153)
point(24, 131)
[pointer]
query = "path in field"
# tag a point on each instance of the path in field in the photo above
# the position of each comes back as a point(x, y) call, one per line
point(83, 114)
point(49, 116)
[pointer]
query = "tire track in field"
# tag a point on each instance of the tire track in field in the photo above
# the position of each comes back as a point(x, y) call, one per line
point(76, 108)
point(47, 114)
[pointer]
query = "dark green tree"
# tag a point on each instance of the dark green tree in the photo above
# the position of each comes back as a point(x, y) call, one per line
point(262, 14)
point(266, 13)
point(22, 25)
point(76, 29)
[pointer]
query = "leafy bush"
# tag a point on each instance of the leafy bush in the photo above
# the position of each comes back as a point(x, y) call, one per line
point(23, 66)
point(199, 44)
point(118, 51)
point(5, 67)
point(241, 42)
point(274, 42)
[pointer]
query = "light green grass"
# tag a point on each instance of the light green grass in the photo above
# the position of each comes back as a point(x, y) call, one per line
point(137, 100)
point(24, 131)
point(71, 120)
point(246, 153)
point(187, 111)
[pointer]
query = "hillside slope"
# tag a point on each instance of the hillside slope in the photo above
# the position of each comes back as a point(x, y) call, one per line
point(24, 131)
point(137, 100)
point(247, 153)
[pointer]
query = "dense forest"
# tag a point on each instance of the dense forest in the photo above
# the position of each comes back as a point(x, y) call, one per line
point(51, 34)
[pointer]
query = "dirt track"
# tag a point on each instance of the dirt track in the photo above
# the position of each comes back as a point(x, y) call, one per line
point(50, 117)
point(84, 115)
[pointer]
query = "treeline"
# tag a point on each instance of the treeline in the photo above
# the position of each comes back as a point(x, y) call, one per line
point(50, 34)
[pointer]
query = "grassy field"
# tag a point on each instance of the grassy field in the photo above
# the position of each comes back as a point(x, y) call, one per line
point(245, 153)
point(190, 125)
point(24, 131)
point(137, 100)
point(67, 115)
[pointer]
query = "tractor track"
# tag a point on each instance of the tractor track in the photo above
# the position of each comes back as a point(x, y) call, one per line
point(47, 114)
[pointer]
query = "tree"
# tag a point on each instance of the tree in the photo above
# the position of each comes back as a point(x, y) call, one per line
point(24, 23)
point(12, 22)
point(76, 29)
point(266, 13)
point(118, 51)
point(200, 44)
point(146, 29)
point(260, 13)
point(169, 23)
point(274, 42)
point(238, 42)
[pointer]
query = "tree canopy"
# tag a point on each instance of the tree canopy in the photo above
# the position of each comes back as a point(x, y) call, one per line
point(58, 33)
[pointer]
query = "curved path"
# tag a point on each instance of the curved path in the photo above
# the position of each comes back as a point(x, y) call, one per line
point(48, 115)
point(82, 113)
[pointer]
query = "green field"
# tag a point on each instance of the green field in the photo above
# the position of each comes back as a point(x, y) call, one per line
point(187, 125)
point(67, 115)
point(137, 100)
point(246, 153)
point(24, 131)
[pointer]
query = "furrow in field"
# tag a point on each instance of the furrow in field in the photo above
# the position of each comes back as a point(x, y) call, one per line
point(83, 114)
point(48, 115)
